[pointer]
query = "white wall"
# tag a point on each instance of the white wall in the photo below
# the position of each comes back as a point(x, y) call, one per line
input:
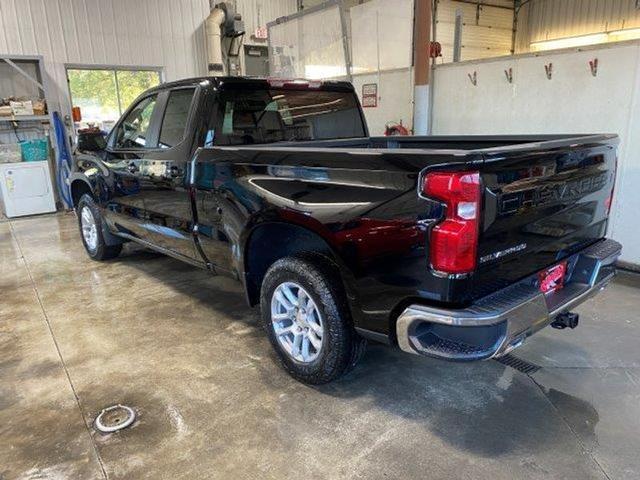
point(381, 50)
point(395, 98)
point(573, 101)
point(257, 13)
point(163, 33)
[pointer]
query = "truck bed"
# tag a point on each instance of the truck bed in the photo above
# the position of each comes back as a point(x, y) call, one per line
point(544, 198)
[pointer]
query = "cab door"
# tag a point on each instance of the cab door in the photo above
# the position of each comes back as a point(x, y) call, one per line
point(165, 172)
point(129, 143)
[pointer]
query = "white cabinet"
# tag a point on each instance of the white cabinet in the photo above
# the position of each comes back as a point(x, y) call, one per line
point(26, 188)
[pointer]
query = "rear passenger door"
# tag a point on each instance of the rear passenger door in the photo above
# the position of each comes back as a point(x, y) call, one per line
point(166, 193)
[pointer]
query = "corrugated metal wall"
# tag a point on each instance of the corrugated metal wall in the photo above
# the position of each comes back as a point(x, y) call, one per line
point(553, 19)
point(257, 13)
point(164, 33)
point(487, 30)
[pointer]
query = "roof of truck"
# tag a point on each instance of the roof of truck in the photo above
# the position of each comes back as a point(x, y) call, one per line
point(293, 83)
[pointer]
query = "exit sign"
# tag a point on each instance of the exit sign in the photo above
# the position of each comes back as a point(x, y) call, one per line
point(370, 95)
point(261, 33)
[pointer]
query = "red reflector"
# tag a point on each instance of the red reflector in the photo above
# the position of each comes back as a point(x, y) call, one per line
point(453, 244)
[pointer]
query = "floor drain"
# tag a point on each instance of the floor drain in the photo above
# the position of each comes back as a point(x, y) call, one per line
point(114, 418)
point(519, 364)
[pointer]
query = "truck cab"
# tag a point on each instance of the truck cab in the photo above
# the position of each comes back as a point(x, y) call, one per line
point(149, 150)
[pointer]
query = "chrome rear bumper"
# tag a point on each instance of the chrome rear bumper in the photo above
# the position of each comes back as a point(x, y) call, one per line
point(500, 322)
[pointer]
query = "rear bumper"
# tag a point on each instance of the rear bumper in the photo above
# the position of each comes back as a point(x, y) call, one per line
point(500, 322)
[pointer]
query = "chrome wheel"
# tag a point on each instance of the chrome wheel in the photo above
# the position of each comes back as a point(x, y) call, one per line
point(296, 322)
point(89, 228)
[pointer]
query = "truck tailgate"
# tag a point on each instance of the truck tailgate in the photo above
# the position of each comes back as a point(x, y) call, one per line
point(542, 202)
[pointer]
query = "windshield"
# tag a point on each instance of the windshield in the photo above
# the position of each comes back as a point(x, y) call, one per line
point(277, 115)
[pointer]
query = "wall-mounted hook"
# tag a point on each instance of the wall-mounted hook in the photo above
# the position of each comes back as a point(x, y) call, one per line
point(548, 68)
point(473, 78)
point(593, 65)
point(509, 75)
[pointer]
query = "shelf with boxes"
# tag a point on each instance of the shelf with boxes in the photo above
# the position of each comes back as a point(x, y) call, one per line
point(25, 137)
point(24, 119)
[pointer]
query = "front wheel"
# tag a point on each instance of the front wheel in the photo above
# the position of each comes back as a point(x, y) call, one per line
point(307, 320)
point(90, 223)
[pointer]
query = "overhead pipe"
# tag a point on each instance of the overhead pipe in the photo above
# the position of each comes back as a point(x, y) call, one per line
point(212, 25)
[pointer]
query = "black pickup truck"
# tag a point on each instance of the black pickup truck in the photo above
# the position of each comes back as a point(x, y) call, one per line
point(451, 247)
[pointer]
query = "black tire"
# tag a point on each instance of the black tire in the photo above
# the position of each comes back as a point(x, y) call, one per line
point(101, 251)
point(342, 347)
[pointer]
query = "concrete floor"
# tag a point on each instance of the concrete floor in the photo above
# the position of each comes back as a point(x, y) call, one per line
point(182, 348)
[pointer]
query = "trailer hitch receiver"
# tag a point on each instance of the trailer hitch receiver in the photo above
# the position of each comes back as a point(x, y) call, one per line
point(566, 319)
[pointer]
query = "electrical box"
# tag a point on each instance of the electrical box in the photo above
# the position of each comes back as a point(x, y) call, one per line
point(26, 188)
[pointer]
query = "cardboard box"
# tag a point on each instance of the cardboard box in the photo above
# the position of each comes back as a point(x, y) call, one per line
point(22, 108)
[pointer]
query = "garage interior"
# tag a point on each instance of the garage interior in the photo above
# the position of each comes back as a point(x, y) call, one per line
point(182, 348)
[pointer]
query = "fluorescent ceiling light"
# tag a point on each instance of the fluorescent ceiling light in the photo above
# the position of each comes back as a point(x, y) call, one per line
point(570, 42)
point(628, 34)
point(583, 40)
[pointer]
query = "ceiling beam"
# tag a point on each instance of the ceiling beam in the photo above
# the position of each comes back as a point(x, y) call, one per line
point(484, 4)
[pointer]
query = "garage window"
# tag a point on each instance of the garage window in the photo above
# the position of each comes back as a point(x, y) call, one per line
point(175, 117)
point(104, 94)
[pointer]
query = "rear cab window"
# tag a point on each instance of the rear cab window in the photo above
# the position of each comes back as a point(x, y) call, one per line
point(175, 118)
point(266, 115)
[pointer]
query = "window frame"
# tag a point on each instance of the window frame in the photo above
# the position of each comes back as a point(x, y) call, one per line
point(218, 114)
point(112, 68)
point(188, 123)
point(153, 131)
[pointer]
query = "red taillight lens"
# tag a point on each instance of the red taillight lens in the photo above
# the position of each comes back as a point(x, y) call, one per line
point(608, 202)
point(453, 245)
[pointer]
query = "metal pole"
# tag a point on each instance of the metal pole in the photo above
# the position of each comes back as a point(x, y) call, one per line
point(457, 36)
point(115, 76)
point(345, 39)
point(421, 45)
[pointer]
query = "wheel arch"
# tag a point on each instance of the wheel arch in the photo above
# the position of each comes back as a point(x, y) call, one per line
point(260, 252)
point(80, 186)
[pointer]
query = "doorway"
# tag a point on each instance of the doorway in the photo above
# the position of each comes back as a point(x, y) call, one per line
point(104, 93)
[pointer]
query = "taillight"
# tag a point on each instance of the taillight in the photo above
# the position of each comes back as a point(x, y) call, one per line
point(608, 202)
point(453, 245)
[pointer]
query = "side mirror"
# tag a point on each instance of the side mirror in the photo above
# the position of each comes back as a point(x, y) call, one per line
point(91, 140)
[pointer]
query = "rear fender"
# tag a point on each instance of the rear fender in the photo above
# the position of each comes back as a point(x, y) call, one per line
point(269, 241)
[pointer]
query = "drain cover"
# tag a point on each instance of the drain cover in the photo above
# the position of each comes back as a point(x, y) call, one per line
point(519, 364)
point(115, 418)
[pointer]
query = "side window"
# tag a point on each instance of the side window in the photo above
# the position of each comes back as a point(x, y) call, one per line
point(133, 130)
point(175, 117)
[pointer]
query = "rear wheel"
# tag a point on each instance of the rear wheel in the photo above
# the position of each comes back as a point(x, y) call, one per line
point(307, 320)
point(90, 223)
